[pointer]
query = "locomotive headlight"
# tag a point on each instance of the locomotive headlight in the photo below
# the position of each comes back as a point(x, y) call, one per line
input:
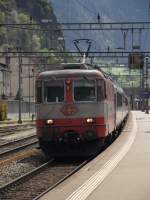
point(50, 121)
point(90, 120)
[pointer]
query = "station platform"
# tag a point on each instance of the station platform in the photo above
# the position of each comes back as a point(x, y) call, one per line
point(121, 172)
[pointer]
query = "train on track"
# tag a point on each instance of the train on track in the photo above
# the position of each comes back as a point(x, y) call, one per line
point(79, 108)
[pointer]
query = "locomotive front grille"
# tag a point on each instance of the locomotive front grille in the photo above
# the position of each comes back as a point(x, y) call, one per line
point(70, 136)
point(50, 133)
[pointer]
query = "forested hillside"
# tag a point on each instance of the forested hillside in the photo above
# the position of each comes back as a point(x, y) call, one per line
point(25, 11)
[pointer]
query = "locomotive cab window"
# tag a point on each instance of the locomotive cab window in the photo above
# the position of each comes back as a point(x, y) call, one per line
point(54, 91)
point(119, 100)
point(101, 90)
point(84, 90)
point(126, 102)
point(39, 92)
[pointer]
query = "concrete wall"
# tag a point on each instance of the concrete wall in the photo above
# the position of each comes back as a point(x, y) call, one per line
point(13, 107)
point(29, 72)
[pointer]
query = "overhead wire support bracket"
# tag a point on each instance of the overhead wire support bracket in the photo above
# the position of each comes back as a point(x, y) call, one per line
point(124, 34)
point(79, 26)
point(38, 54)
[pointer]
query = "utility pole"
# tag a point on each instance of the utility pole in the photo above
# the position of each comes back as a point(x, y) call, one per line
point(3, 81)
point(98, 18)
point(124, 33)
point(20, 86)
point(29, 87)
point(143, 89)
point(146, 85)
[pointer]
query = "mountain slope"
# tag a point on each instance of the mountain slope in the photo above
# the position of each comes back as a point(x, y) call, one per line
point(109, 10)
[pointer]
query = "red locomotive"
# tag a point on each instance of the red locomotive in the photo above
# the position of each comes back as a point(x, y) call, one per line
point(78, 109)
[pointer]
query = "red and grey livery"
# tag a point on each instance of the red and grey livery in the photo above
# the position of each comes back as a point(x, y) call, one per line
point(78, 109)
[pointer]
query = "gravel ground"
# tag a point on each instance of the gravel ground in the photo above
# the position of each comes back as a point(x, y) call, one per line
point(34, 186)
point(17, 168)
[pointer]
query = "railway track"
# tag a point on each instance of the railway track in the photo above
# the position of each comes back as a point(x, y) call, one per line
point(13, 129)
point(36, 182)
point(9, 148)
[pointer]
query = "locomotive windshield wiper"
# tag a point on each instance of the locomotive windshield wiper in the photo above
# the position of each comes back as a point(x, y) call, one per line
point(53, 77)
point(86, 78)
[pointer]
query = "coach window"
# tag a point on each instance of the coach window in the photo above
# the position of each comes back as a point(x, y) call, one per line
point(126, 101)
point(100, 90)
point(39, 92)
point(53, 91)
point(84, 90)
point(119, 100)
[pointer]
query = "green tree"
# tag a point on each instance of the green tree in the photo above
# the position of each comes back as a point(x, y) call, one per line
point(36, 43)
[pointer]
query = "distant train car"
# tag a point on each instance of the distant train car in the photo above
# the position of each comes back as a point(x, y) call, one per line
point(78, 109)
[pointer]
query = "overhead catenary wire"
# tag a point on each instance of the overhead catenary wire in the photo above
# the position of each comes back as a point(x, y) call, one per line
point(92, 12)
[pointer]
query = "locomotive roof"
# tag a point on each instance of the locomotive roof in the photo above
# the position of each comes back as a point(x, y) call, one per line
point(71, 73)
point(72, 70)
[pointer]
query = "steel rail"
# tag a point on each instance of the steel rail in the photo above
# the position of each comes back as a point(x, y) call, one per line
point(5, 153)
point(14, 127)
point(63, 179)
point(16, 141)
point(13, 130)
point(22, 178)
point(5, 189)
